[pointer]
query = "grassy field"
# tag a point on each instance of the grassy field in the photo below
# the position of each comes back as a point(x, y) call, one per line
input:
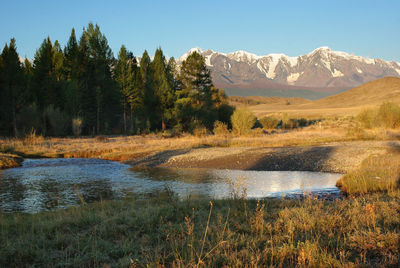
point(163, 231)
point(349, 103)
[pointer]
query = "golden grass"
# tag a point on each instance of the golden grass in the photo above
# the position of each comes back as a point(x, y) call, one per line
point(129, 147)
point(377, 173)
point(351, 102)
point(9, 161)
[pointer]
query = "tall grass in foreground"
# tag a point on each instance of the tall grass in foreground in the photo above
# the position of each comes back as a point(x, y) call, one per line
point(361, 231)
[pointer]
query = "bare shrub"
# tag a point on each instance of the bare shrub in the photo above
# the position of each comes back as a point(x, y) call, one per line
point(77, 126)
point(367, 118)
point(269, 122)
point(220, 129)
point(242, 121)
point(200, 131)
point(389, 115)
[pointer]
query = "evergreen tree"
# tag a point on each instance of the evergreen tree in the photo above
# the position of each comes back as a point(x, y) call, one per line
point(73, 73)
point(195, 96)
point(146, 86)
point(163, 88)
point(125, 75)
point(98, 80)
point(13, 87)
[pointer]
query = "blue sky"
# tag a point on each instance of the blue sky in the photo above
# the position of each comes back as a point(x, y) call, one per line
point(365, 28)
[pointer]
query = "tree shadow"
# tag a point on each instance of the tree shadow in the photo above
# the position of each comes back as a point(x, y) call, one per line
point(156, 159)
point(295, 159)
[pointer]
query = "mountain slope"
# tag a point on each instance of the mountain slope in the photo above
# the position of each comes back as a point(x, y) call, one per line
point(321, 70)
point(371, 93)
point(351, 102)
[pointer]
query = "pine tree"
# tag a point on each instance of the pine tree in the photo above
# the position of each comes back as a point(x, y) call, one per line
point(73, 73)
point(13, 87)
point(146, 85)
point(196, 92)
point(99, 85)
point(163, 88)
point(125, 75)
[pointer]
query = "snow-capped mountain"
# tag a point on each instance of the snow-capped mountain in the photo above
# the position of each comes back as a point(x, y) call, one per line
point(321, 69)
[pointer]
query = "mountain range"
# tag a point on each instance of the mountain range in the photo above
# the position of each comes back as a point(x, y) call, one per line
point(320, 73)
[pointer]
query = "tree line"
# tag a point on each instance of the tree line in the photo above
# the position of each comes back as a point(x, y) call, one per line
point(83, 89)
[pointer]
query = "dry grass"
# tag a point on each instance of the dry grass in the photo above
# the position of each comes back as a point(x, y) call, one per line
point(9, 161)
point(377, 173)
point(130, 147)
point(351, 102)
point(163, 231)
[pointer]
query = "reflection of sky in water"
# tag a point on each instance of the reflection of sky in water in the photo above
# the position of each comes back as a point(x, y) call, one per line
point(42, 184)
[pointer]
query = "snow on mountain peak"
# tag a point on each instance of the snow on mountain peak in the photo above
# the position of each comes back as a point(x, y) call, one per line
point(242, 55)
point(184, 56)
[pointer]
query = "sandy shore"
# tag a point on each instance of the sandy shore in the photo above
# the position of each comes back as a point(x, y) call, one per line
point(334, 157)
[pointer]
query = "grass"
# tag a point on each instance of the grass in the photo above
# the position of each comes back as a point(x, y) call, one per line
point(350, 102)
point(9, 161)
point(164, 231)
point(129, 147)
point(378, 173)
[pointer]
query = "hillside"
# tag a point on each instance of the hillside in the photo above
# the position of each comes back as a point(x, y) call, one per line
point(350, 102)
point(372, 93)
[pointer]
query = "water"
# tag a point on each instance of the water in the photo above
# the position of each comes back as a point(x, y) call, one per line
point(47, 184)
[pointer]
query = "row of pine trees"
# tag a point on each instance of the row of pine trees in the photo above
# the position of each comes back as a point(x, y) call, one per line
point(83, 89)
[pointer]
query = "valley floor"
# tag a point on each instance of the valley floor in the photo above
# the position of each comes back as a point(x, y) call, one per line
point(361, 229)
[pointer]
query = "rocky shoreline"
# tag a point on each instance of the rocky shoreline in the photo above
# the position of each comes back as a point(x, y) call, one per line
point(338, 157)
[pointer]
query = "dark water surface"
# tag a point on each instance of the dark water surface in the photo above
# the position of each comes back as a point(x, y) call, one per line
point(44, 184)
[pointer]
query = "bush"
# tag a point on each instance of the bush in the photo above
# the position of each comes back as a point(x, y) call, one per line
point(367, 118)
point(269, 122)
point(290, 124)
point(242, 121)
point(220, 128)
point(389, 115)
point(200, 131)
point(77, 126)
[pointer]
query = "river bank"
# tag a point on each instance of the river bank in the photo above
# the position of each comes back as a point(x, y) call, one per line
point(306, 150)
point(10, 161)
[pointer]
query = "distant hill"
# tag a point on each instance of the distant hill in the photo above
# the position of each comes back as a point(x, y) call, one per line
point(351, 102)
point(372, 93)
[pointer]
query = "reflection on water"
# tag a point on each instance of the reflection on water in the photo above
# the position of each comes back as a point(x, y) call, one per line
point(43, 184)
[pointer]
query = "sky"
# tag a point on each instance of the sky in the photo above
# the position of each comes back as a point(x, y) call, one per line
point(364, 28)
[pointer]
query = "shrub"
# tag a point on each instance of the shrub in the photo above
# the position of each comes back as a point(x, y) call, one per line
point(290, 123)
point(389, 115)
point(367, 118)
point(77, 126)
point(200, 131)
point(242, 121)
point(269, 122)
point(220, 128)
point(102, 138)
